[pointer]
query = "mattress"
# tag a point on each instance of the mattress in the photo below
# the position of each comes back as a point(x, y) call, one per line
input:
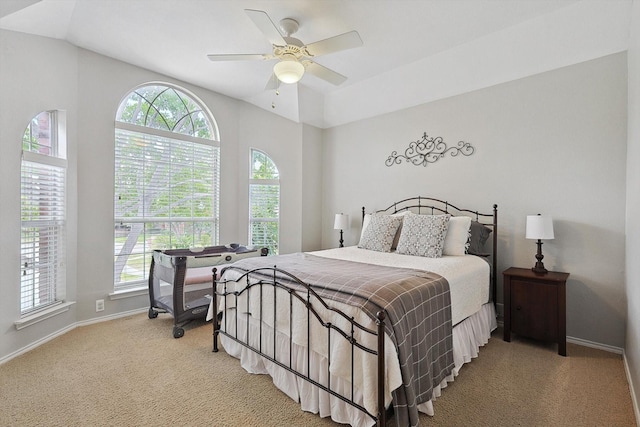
point(468, 275)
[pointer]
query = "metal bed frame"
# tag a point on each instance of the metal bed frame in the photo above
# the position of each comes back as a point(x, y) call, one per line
point(301, 293)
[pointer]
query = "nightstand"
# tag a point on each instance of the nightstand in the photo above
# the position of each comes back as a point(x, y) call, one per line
point(535, 306)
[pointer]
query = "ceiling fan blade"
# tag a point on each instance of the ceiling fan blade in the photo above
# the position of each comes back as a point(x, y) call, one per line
point(324, 73)
point(239, 56)
point(273, 83)
point(266, 25)
point(334, 44)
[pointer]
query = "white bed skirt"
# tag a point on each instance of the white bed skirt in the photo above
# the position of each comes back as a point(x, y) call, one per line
point(468, 336)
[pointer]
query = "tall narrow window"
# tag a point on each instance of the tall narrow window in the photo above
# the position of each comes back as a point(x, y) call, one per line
point(264, 202)
point(167, 169)
point(43, 212)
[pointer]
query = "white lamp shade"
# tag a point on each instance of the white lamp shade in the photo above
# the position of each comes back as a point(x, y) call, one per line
point(539, 227)
point(289, 71)
point(341, 222)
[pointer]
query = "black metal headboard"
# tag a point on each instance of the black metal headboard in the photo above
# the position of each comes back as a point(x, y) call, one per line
point(431, 206)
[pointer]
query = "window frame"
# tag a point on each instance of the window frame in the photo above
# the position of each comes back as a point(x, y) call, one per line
point(173, 140)
point(43, 183)
point(274, 248)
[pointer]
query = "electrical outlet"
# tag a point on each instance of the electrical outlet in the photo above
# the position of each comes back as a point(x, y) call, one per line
point(99, 305)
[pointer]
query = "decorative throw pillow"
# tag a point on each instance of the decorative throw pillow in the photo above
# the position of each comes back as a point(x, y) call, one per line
point(456, 241)
point(379, 233)
point(396, 239)
point(423, 235)
point(479, 235)
point(365, 223)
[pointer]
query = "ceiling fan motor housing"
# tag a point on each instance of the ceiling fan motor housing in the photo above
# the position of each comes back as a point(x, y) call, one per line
point(294, 48)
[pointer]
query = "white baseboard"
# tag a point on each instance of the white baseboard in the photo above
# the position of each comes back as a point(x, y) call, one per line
point(37, 343)
point(69, 328)
point(634, 396)
point(586, 343)
point(599, 346)
point(111, 317)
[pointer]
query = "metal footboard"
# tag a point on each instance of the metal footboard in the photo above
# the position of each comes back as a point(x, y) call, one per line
point(262, 280)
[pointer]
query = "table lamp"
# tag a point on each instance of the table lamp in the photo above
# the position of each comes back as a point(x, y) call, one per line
point(341, 223)
point(539, 227)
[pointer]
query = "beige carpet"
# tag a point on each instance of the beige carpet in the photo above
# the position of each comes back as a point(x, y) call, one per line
point(131, 372)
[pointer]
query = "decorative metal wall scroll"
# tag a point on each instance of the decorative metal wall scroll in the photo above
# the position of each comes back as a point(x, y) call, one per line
point(428, 150)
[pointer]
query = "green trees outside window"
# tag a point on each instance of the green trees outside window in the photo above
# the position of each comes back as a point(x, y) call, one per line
point(264, 202)
point(167, 172)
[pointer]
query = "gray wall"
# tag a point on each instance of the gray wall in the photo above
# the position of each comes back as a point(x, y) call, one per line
point(632, 345)
point(312, 182)
point(37, 74)
point(554, 143)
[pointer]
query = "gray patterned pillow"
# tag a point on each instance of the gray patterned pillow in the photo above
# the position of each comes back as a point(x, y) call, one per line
point(423, 235)
point(379, 234)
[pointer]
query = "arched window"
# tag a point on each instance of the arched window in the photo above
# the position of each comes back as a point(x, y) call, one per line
point(264, 202)
point(167, 171)
point(43, 212)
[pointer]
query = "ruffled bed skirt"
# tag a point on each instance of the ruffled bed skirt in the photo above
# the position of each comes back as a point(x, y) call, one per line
point(468, 336)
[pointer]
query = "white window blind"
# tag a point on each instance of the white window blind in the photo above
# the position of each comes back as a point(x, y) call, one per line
point(42, 233)
point(167, 169)
point(264, 203)
point(166, 197)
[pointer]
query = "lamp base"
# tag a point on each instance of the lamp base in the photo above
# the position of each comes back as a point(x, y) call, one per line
point(539, 267)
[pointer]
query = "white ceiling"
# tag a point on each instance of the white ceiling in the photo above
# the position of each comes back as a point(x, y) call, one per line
point(414, 51)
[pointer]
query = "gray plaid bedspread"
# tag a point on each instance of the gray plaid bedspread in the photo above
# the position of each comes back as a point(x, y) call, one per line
point(418, 310)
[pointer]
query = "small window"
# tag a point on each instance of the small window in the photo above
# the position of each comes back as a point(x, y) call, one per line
point(43, 212)
point(264, 202)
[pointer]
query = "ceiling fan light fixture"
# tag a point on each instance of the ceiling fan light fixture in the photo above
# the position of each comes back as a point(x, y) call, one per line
point(289, 71)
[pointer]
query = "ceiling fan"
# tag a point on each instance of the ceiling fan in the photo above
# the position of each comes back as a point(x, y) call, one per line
point(294, 57)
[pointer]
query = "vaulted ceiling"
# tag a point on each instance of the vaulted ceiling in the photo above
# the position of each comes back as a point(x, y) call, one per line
point(414, 51)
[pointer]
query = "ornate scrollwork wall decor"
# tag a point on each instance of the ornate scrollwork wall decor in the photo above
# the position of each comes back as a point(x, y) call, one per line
point(428, 150)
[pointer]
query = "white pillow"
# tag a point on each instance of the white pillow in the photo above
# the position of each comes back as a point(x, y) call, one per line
point(423, 235)
point(456, 241)
point(379, 233)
